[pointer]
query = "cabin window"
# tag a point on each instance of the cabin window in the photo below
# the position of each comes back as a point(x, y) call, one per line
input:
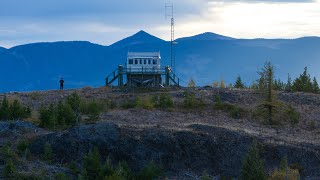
point(140, 61)
point(149, 61)
point(144, 61)
point(154, 61)
point(130, 61)
point(136, 61)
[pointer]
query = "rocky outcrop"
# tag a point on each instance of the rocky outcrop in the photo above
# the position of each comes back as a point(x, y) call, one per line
point(195, 149)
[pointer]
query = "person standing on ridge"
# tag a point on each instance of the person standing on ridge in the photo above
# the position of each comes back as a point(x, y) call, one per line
point(61, 83)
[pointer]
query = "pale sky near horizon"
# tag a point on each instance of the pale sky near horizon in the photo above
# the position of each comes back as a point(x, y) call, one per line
point(107, 21)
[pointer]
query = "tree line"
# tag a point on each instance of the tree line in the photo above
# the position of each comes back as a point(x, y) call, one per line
point(13, 111)
point(303, 83)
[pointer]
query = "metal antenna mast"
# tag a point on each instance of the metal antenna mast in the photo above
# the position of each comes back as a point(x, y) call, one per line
point(170, 14)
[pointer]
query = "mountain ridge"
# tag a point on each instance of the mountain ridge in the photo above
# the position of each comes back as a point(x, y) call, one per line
point(39, 66)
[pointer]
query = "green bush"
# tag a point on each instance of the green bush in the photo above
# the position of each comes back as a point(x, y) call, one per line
point(13, 111)
point(93, 111)
point(233, 110)
point(4, 110)
point(151, 171)
point(144, 102)
point(57, 117)
point(22, 146)
point(9, 171)
point(293, 115)
point(47, 152)
point(61, 176)
point(92, 165)
point(190, 101)
point(7, 151)
point(128, 104)
point(74, 101)
point(205, 176)
point(253, 166)
point(48, 117)
point(237, 112)
point(163, 101)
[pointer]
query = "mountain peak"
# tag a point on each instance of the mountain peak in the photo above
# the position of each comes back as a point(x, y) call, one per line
point(207, 36)
point(140, 37)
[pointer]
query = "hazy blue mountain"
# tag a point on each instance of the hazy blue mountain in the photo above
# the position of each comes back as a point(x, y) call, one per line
point(206, 57)
point(137, 39)
point(206, 37)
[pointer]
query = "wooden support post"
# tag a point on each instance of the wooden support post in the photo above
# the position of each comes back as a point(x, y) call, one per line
point(167, 82)
point(120, 76)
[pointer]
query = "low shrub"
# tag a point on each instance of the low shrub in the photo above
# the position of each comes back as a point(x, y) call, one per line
point(293, 115)
point(128, 104)
point(151, 171)
point(191, 102)
point(233, 110)
point(14, 111)
point(61, 176)
point(22, 147)
point(145, 102)
point(163, 101)
point(47, 152)
point(9, 171)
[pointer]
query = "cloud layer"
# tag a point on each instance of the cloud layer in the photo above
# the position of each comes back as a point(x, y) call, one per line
point(106, 21)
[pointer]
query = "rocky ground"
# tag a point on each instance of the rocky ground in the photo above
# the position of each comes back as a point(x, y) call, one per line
point(185, 142)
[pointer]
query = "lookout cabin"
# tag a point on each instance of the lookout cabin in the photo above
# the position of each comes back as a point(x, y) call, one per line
point(143, 69)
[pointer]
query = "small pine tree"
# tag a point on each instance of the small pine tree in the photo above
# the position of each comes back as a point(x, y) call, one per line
point(303, 82)
point(278, 85)
point(205, 176)
point(61, 118)
point(284, 163)
point(47, 152)
point(289, 84)
point(92, 165)
point(151, 171)
point(315, 86)
point(165, 101)
point(48, 117)
point(69, 114)
point(93, 111)
point(192, 83)
point(9, 170)
point(15, 110)
point(266, 83)
point(253, 166)
point(4, 111)
point(222, 84)
point(215, 84)
point(74, 101)
point(239, 84)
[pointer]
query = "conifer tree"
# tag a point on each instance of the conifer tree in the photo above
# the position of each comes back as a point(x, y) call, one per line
point(222, 84)
point(278, 85)
point(239, 84)
point(303, 82)
point(289, 84)
point(315, 86)
point(74, 101)
point(92, 165)
point(192, 83)
point(4, 111)
point(266, 83)
point(15, 110)
point(253, 166)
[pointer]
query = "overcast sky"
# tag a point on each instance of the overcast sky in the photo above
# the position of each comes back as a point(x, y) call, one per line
point(107, 21)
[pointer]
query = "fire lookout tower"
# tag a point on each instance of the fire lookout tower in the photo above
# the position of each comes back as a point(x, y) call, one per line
point(143, 69)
